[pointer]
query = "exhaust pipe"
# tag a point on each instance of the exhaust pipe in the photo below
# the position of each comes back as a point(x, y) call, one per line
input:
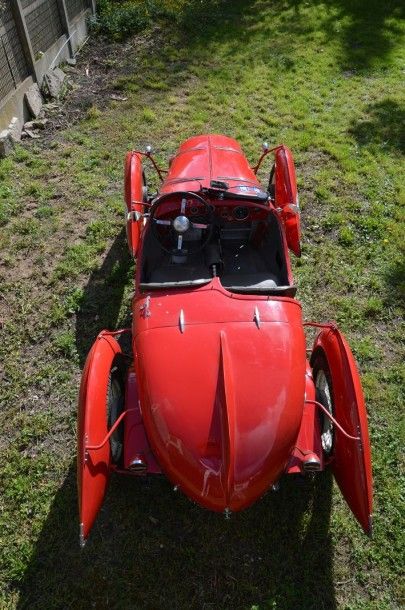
point(311, 463)
point(138, 464)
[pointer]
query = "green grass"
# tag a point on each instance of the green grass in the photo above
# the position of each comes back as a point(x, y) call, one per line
point(325, 79)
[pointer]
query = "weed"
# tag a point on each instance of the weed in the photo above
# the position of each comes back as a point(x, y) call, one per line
point(44, 211)
point(21, 155)
point(93, 113)
point(77, 259)
point(27, 226)
point(148, 115)
point(65, 344)
point(120, 21)
point(373, 307)
point(73, 300)
point(346, 236)
point(34, 189)
point(126, 83)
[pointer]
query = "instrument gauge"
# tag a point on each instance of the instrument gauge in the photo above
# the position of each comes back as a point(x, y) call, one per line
point(241, 213)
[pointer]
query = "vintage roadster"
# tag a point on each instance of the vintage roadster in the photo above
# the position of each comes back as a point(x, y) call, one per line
point(218, 393)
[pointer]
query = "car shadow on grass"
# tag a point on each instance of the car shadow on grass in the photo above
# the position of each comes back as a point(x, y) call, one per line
point(102, 300)
point(152, 548)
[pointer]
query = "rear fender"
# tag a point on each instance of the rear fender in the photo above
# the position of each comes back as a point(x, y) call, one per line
point(94, 467)
point(351, 460)
point(134, 197)
point(286, 197)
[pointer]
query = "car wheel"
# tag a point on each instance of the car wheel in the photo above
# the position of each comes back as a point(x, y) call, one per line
point(115, 406)
point(324, 395)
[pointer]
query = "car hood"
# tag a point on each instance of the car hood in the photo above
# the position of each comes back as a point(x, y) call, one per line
point(222, 405)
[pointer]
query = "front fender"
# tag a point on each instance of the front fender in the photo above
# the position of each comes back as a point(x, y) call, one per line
point(134, 183)
point(351, 464)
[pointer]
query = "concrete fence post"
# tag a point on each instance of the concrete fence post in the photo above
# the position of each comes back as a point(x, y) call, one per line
point(66, 25)
point(22, 30)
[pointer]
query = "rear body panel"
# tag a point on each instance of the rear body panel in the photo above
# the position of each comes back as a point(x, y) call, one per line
point(222, 397)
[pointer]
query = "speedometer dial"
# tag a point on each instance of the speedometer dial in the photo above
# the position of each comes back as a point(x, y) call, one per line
point(241, 213)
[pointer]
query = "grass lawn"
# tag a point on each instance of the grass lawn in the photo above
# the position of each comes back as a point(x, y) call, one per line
point(325, 78)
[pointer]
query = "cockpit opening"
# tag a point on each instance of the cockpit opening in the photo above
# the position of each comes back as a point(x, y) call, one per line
point(189, 241)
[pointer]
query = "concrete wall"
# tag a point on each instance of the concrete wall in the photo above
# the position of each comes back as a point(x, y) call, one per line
point(64, 47)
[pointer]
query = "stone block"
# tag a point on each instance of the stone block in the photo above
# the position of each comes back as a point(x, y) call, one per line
point(15, 129)
point(36, 124)
point(6, 143)
point(33, 99)
point(52, 83)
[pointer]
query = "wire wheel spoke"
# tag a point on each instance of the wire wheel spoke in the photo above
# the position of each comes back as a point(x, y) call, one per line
point(324, 397)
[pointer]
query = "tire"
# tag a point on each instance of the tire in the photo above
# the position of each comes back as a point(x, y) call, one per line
point(144, 188)
point(324, 395)
point(115, 406)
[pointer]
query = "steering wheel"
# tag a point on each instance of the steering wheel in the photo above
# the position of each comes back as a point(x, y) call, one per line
point(181, 223)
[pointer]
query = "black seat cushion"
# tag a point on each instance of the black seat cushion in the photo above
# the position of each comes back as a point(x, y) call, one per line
point(263, 280)
point(256, 283)
point(179, 273)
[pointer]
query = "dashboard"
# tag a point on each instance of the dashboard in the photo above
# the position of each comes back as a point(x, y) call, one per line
point(228, 212)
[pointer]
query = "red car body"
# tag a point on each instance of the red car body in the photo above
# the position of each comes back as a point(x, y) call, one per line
point(219, 394)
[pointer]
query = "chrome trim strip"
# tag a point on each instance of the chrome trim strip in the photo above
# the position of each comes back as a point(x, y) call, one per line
point(179, 180)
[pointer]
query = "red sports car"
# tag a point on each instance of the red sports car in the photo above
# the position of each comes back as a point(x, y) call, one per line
point(220, 393)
